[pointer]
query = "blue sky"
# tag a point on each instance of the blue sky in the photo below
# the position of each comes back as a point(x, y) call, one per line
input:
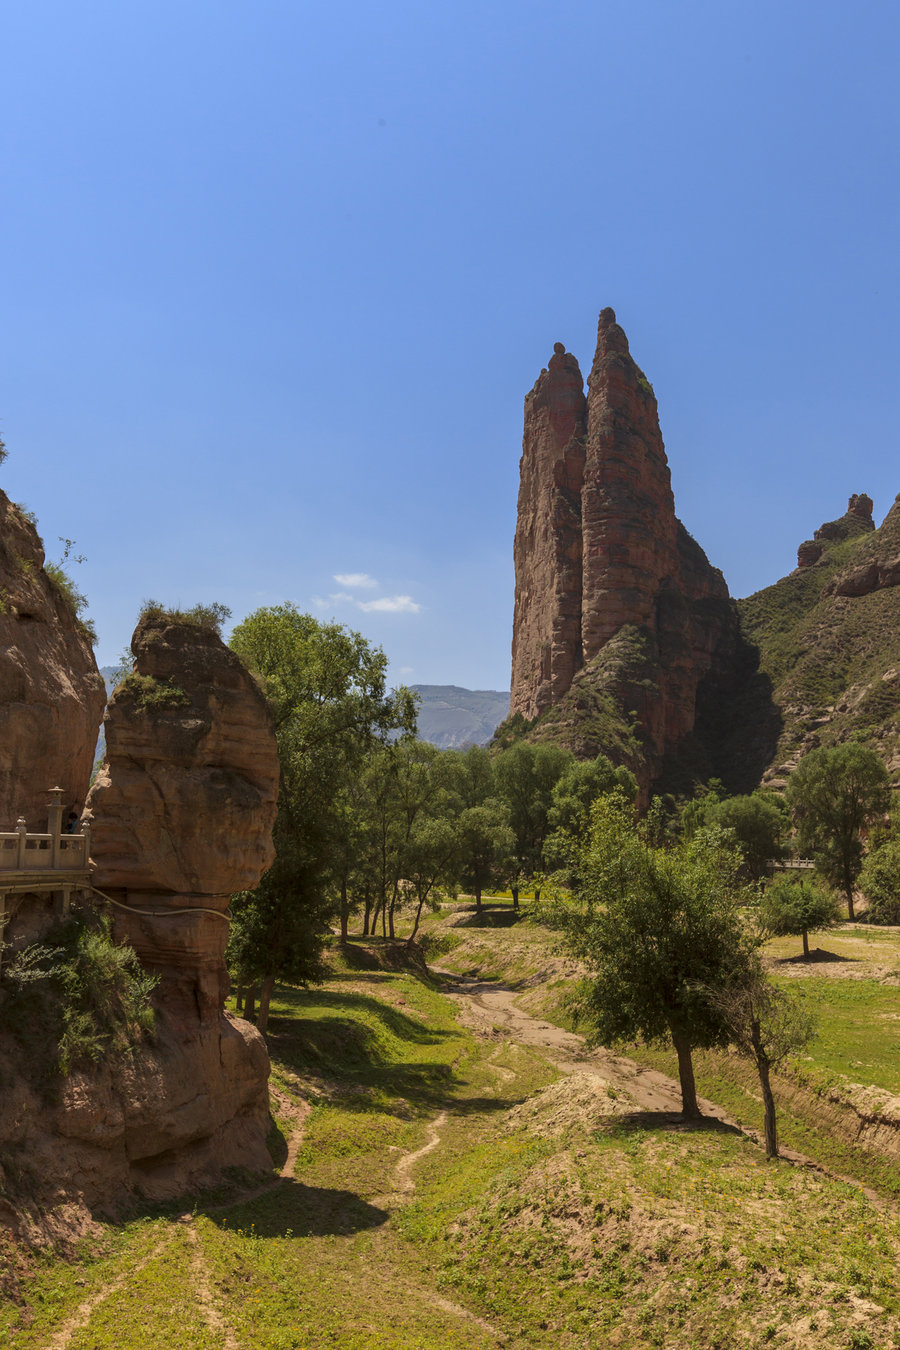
point(276, 279)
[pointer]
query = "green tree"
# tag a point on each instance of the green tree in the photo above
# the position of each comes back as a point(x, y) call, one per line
point(526, 776)
point(657, 929)
point(834, 793)
point(879, 882)
point(797, 908)
point(582, 782)
point(326, 687)
point(486, 843)
point(759, 823)
point(766, 1024)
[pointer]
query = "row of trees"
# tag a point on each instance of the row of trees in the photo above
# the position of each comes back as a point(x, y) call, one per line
point(371, 820)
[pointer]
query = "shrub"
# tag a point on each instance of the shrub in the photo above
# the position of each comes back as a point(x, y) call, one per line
point(150, 693)
point(879, 882)
point(208, 617)
point(72, 597)
point(76, 999)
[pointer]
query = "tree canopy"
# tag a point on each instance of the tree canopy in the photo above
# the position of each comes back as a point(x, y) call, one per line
point(833, 793)
point(326, 687)
point(657, 928)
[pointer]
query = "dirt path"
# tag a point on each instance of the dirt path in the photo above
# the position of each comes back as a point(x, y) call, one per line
point(83, 1313)
point(202, 1279)
point(206, 1299)
point(490, 1010)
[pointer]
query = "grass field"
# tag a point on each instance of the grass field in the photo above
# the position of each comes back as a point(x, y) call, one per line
point(455, 1191)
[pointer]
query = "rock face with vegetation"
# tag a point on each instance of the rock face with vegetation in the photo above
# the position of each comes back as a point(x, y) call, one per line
point(183, 806)
point(828, 637)
point(619, 617)
point(182, 813)
point(51, 692)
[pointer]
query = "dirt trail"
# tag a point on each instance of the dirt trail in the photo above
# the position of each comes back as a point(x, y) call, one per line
point(206, 1299)
point(82, 1315)
point(490, 1010)
point(298, 1112)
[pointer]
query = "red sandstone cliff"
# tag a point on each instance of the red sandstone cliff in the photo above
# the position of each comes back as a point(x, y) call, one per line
point(182, 814)
point(613, 596)
point(51, 692)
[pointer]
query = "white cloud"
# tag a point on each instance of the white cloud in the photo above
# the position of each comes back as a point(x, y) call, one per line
point(360, 580)
point(390, 604)
point(341, 597)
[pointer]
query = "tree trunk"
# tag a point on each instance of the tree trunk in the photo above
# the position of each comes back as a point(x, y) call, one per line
point(537, 894)
point(412, 937)
point(762, 1068)
point(515, 895)
point(850, 910)
point(238, 999)
point(345, 913)
point(250, 1002)
point(689, 1106)
point(265, 995)
point(805, 944)
point(366, 913)
point(478, 899)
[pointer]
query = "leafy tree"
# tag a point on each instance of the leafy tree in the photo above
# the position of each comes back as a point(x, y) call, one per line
point(833, 793)
point(486, 843)
point(657, 929)
point(326, 687)
point(759, 823)
point(570, 808)
point(766, 1024)
point(879, 882)
point(796, 909)
point(526, 776)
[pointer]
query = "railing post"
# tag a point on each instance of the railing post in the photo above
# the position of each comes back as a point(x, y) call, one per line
point(86, 831)
point(21, 831)
point(2, 924)
point(54, 823)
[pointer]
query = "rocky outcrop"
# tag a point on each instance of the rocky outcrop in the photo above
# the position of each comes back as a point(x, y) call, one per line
point(856, 520)
point(599, 551)
point(51, 692)
point(183, 807)
point(548, 544)
point(827, 637)
point(182, 814)
point(878, 571)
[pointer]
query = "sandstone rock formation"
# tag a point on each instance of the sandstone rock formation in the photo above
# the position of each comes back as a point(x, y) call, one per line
point(601, 559)
point(856, 520)
point(182, 814)
point(183, 807)
point(51, 692)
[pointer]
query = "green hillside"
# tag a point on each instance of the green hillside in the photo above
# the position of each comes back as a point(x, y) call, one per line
point(828, 637)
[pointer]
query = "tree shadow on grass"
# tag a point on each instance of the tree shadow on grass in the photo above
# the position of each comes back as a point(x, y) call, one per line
point(816, 954)
point(292, 1209)
point(643, 1122)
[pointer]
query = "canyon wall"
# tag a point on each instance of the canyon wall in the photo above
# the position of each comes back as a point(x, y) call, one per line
point(613, 596)
point(51, 692)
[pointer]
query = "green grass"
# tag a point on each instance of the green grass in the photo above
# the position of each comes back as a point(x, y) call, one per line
point(557, 1226)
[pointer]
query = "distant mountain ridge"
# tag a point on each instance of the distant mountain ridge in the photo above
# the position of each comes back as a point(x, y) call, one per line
point(451, 717)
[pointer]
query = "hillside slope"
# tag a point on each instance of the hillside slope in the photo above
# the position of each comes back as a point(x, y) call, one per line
point(828, 636)
point(451, 717)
